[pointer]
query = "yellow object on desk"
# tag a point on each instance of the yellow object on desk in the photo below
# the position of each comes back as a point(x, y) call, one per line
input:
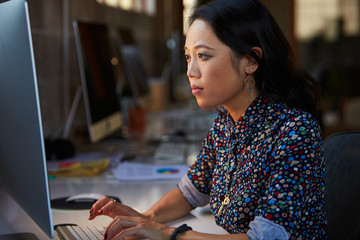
point(81, 168)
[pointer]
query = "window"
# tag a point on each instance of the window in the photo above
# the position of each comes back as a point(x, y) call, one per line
point(139, 6)
point(188, 8)
point(315, 17)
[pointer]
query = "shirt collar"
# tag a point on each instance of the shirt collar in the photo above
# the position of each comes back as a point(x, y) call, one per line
point(256, 113)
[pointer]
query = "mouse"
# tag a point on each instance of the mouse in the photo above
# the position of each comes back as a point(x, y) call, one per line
point(84, 198)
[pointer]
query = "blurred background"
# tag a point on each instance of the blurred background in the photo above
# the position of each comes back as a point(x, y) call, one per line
point(324, 35)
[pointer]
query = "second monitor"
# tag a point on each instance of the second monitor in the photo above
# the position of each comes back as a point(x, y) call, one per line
point(136, 82)
point(108, 74)
point(102, 107)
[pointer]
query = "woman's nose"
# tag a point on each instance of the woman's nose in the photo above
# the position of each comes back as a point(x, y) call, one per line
point(193, 70)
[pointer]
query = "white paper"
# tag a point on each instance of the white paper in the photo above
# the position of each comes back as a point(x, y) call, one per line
point(140, 171)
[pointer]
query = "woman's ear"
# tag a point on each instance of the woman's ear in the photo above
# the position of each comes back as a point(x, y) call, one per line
point(258, 51)
point(252, 64)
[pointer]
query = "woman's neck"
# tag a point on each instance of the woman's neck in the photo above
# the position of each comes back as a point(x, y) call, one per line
point(241, 109)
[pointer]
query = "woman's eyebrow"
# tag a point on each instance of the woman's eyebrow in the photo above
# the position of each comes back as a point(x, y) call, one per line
point(201, 46)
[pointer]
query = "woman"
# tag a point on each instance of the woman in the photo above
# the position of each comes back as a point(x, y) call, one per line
point(261, 166)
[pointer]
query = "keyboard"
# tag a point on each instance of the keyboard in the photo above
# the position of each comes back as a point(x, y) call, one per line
point(171, 152)
point(75, 232)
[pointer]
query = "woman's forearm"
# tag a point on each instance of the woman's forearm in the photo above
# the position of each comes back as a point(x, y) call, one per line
point(192, 235)
point(171, 206)
point(174, 205)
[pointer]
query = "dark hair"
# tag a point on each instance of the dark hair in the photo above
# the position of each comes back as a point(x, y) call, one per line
point(244, 24)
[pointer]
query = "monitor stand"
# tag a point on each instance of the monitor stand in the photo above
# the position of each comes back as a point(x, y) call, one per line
point(73, 110)
point(19, 236)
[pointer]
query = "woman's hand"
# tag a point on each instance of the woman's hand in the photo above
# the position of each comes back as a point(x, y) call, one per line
point(107, 206)
point(123, 227)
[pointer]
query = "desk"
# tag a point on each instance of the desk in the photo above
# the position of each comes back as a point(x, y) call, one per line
point(139, 195)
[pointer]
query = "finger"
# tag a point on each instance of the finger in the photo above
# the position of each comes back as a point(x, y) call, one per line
point(111, 231)
point(94, 211)
point(132, 238)
point(117, 226)
point(112, 209)
point(128, 233)
point(141, 228)
point(110, 228)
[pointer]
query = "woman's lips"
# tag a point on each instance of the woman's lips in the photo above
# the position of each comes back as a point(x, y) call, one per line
point(196, 89)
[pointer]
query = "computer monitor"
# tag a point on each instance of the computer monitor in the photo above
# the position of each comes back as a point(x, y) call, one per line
point(23, 172)
point(103, 112)
point(136, 83)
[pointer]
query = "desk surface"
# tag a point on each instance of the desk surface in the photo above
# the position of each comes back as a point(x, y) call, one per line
point(139, 195)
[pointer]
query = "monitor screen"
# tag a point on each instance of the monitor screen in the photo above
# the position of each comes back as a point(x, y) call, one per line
point(137, 84)
point(102, 106)
point(22, 157)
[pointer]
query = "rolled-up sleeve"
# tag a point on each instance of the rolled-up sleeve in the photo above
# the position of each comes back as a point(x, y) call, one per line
point(264, 229)
point(192, 195)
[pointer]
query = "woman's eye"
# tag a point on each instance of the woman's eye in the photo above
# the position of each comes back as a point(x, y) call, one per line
point(187, 57)
point(203, 56)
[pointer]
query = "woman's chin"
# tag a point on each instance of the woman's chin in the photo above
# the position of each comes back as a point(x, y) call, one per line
point(204, 104)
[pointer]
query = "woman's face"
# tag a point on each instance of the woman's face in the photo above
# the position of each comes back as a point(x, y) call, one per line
point(213, 78)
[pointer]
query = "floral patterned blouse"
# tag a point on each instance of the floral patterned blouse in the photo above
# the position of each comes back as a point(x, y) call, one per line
point(271, 165)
